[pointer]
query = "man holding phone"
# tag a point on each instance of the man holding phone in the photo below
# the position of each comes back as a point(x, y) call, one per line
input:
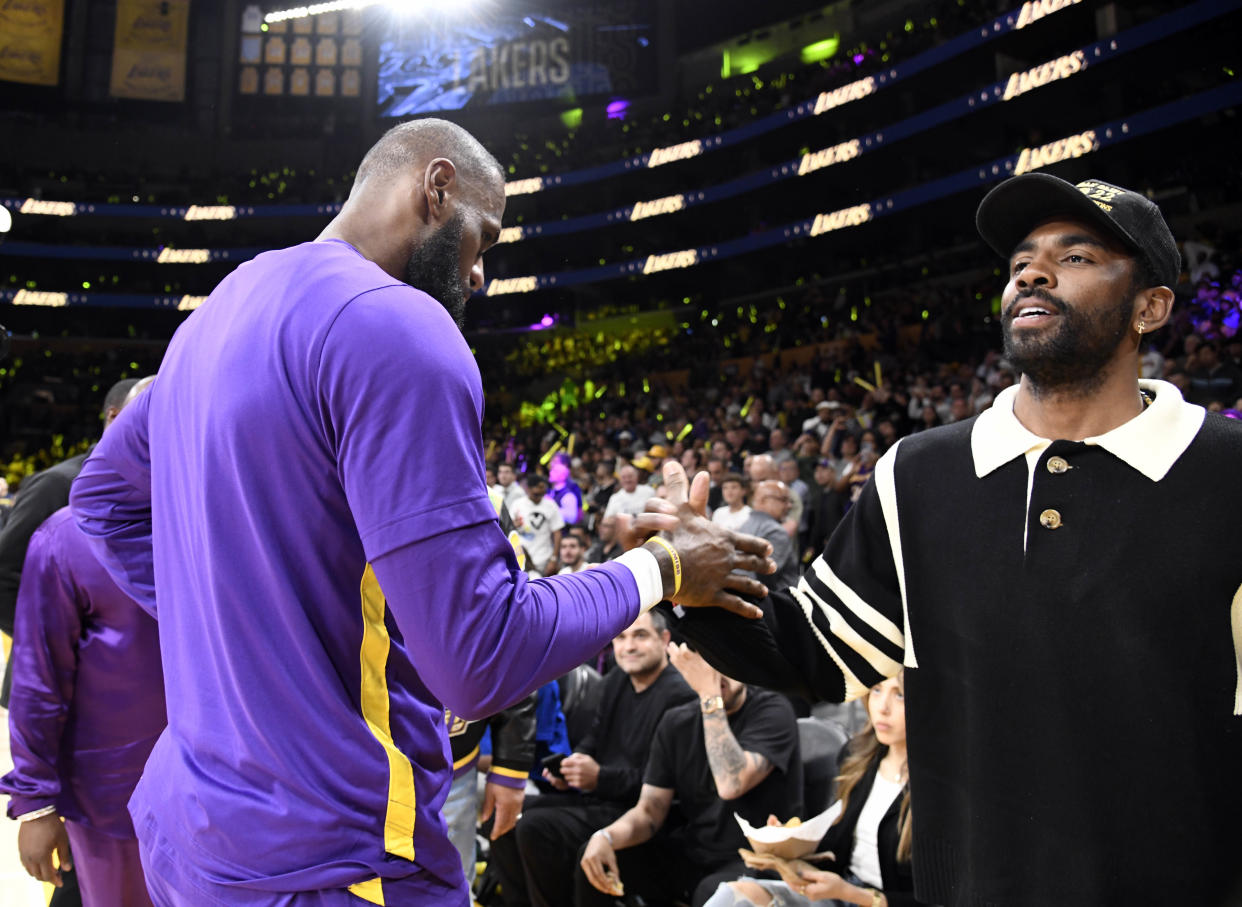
point(602, 779)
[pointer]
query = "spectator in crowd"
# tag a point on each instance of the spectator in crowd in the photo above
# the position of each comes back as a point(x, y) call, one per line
point(734, 751)
point(825, 510)
point(778, 447)
point(819, 423)
point(870, 835)
point(632, 497)
point(735, 510)
point(539, 524)
point(600, 493)
point(607, 546)
point(760, 468)
point(602, 778)
point(716, 469)
point(787, 472)
point(571, 554)
point(768, 512)
point(511, 489)
point(1213, 380)
point(566, 493)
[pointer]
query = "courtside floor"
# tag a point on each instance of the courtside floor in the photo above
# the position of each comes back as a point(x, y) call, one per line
point(16, 888)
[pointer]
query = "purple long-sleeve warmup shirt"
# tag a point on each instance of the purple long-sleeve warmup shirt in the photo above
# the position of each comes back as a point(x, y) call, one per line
point(301, 491)
point(88, 693)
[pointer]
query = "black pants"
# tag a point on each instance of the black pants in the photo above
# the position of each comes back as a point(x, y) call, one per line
point(660, 872)
point(536, 861)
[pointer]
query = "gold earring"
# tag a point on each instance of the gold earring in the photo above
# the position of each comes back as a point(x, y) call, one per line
point(1141, 326)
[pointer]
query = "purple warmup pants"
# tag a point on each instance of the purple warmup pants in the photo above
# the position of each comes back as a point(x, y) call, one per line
point(172, 884)
point(109, 869)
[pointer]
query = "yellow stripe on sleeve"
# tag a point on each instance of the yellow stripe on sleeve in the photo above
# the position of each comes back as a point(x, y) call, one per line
point(473, 754)
point(399, 816)
point(371, 891)
point(508, 772)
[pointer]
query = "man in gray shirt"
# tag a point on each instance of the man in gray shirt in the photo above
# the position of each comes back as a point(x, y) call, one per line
point(767, 512)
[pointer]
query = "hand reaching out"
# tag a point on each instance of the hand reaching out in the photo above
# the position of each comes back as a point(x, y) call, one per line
point(709, 553)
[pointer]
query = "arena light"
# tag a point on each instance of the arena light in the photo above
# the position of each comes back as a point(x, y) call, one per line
point(210, 212)
point(671, 261)
point(53, 209)
point(821, 50)
point(169, 256)
point(672, 153)
point(6, 220)
point(1054, 152)
point(505, 286)
point(1038, 76)
point(316, 9)
point(32, 297)
point(818, 160)
point(667, 205)
point(846, 217)
point(524, 187)
point(852, 92)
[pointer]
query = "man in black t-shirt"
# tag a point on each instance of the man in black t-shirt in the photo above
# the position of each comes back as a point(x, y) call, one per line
point(736, 750)
point(601, 779)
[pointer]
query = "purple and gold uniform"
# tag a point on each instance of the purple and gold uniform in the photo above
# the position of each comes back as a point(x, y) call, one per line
point(304, 488)
point(86, 708)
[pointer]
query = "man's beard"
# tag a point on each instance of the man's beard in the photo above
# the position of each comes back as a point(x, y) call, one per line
point(1074, 356)
point(433, 268)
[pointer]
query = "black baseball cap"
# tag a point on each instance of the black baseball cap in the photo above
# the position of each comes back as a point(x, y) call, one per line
point(1015, 207)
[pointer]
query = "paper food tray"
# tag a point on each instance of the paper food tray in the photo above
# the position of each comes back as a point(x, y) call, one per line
point(789, 843)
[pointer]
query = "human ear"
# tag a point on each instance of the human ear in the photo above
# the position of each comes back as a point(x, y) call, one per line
point(439, 184)
point(1152, 309)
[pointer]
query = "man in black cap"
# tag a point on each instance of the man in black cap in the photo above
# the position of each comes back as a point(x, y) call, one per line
point(1073, 680)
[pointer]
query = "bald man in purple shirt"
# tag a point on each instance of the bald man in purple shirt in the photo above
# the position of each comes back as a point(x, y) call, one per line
point(301, 493)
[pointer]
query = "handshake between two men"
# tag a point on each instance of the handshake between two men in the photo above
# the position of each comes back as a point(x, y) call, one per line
point(699, 560)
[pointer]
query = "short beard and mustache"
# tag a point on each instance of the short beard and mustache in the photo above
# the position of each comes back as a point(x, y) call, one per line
point(1074, 359)
point(433, 268)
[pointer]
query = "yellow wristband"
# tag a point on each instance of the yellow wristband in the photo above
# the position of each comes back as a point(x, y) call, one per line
point(672, 553)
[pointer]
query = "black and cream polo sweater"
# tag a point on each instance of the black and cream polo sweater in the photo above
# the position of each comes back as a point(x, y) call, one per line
point(1069, 615)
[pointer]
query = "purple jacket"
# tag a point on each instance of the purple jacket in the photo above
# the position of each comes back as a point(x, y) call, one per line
point(88, 691)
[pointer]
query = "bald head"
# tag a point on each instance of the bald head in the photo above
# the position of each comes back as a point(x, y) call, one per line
point(413, 145)
point(426, 204)
point(772, 497)
point(761, 467)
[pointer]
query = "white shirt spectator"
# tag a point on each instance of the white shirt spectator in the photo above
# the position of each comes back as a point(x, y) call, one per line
point(631, 502)
point(535, 524)
point(731, 519)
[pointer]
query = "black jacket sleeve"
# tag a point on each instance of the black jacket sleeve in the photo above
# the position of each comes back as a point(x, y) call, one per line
point(513, 736)
point(39, 496)
point(778, 652)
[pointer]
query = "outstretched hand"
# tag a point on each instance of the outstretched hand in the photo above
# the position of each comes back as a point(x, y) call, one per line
point(710, 554)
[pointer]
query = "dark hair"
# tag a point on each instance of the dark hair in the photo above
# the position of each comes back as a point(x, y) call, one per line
point(534, 479)
point(734, 477)
point(659, 620)
point(117, 394)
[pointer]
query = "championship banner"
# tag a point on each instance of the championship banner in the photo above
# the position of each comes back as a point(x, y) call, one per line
point(30, 37)
point(148, 54)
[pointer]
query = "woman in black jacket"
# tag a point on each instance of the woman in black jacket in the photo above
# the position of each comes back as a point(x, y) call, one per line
point(870, 833)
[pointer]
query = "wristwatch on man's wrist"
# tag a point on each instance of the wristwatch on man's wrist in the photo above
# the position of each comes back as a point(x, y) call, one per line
point(711, 704)
point(877, 897)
